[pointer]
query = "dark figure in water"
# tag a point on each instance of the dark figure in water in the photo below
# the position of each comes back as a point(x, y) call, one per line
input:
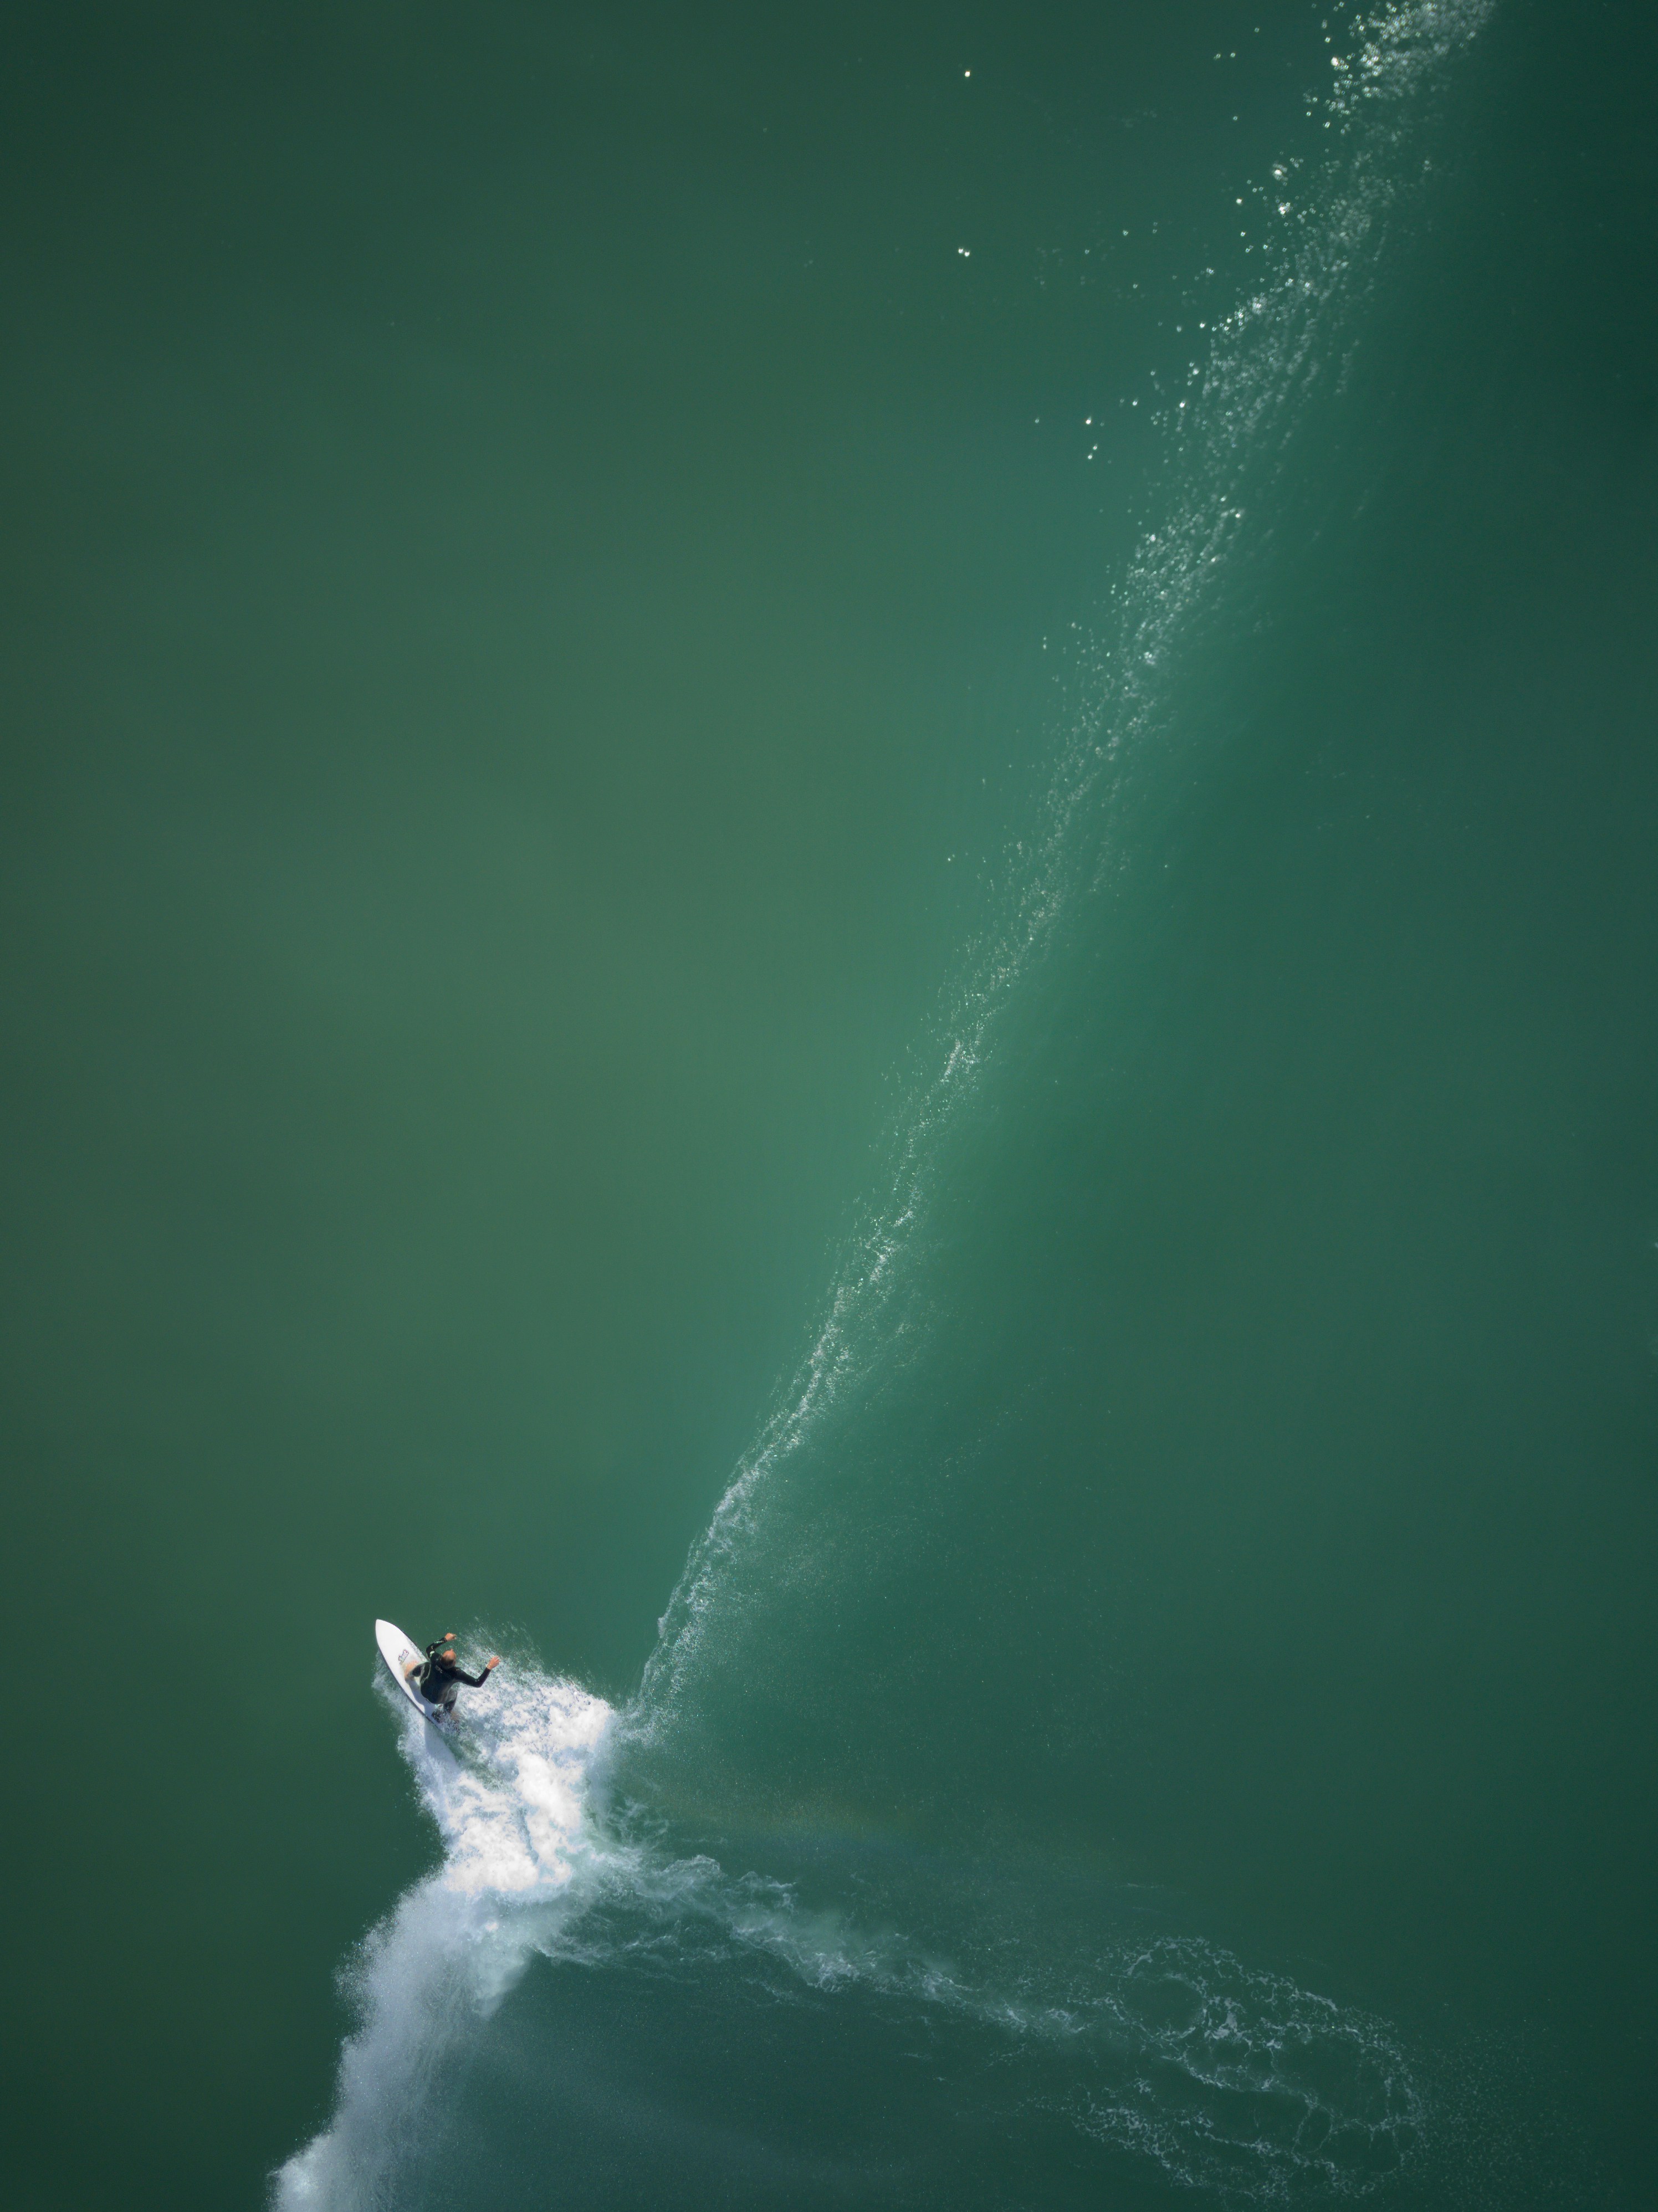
point(438, 1675)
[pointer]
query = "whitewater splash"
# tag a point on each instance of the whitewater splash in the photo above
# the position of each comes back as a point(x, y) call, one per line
point(1224, 2078)
point(522, 1858)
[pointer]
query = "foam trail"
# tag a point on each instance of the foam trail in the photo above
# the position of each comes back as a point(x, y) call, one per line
point(1323, 216)
point(1222, 2077)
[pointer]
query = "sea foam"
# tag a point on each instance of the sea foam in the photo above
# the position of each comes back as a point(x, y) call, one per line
point(521, 1856)
point(1168, 2051)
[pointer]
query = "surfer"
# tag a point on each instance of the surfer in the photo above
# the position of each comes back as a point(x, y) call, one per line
point(440, 1675)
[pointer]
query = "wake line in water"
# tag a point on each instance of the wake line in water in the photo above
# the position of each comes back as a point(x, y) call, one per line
point(1227, 432)
point(1226, 2079)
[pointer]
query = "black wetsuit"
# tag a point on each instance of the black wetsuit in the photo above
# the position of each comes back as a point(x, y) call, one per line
point(442, 1674)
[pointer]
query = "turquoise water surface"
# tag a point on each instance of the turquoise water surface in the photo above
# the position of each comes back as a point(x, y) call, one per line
point(830, 894)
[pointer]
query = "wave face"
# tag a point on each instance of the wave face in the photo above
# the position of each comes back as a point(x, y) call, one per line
point(656, 1929)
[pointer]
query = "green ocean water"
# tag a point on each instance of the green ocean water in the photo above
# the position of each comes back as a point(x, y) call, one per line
point(829, 893)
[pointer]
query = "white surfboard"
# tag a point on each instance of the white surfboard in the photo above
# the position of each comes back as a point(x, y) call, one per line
point(399, 1651)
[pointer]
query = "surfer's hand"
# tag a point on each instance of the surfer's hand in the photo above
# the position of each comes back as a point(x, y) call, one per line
point(488, 1663)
